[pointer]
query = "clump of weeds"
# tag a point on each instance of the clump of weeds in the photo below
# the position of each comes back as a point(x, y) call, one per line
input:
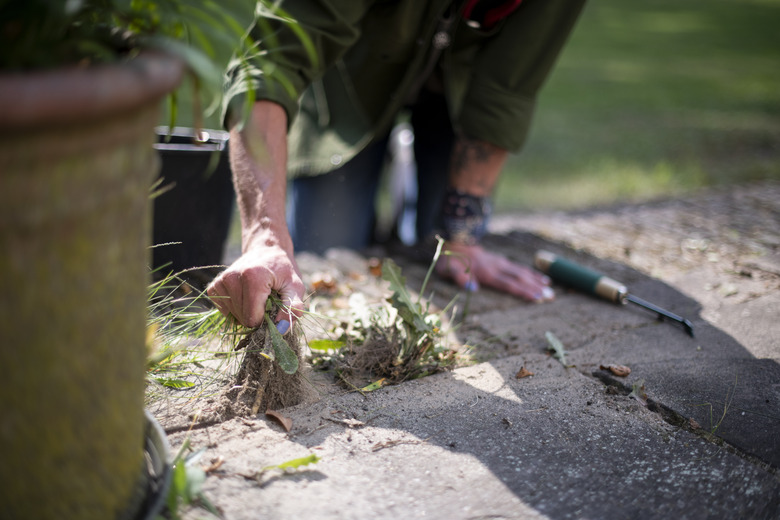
point(196, 352)
point(398, 339)
point(186, 340)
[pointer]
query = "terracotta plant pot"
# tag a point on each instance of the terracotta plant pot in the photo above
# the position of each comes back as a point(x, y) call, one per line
point(76, 166)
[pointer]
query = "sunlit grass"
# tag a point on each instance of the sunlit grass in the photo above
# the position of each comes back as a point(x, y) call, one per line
point(652, 100)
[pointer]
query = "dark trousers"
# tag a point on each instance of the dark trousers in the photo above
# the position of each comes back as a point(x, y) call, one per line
point(338, 209)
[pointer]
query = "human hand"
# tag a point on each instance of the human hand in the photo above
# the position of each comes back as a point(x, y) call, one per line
point(471, 266)
point(243, 288)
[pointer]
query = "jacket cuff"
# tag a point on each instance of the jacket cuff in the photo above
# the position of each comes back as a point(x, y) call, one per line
point(242, 80)
point(500, 118)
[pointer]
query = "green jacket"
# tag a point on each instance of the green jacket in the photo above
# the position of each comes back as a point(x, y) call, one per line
point(368, 56)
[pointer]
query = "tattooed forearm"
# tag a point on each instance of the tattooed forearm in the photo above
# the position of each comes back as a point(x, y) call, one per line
point(469, 151)
point(475, 166)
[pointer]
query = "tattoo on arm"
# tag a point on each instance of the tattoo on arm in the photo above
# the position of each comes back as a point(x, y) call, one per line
point(469, 151)
point(475, 165)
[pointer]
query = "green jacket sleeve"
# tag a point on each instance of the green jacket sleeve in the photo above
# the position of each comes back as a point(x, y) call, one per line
point(295, 44)
point(509, 69)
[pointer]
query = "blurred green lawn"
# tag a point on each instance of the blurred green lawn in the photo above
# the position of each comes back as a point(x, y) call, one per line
point(654, 99)
point(649, 99)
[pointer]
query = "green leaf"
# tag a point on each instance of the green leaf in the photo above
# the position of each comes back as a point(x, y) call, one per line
point(326, 344)
point(197, 61)
point(195, 479)
point(401, 300)
point(295, 463)
point(174, 383)
point(376, 385)
point(556, 346)
point(285, 356)
point(178, 487)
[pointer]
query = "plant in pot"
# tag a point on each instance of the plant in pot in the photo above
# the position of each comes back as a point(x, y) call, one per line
point(81, 84)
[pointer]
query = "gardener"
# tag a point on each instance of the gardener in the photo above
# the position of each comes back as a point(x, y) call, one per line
point(468, 71)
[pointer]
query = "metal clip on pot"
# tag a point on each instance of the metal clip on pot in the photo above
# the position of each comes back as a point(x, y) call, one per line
point(594, 283)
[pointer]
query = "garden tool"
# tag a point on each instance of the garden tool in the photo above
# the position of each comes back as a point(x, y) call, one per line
point(596, 284)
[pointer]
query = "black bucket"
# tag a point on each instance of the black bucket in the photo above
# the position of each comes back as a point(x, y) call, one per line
point(192, 214)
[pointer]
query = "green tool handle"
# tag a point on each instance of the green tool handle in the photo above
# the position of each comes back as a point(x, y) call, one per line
point(579, 277)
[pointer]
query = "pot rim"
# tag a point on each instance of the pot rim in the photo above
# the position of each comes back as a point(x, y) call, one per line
point(68, 94)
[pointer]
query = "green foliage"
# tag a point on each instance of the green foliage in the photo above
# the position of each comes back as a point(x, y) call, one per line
point(186, 338)
point(295, 463)
point(183, 333)
point(396, 339)
point(45, 34)
point(653, 99)
point(414, 318)
point(186, 484)
point(283, 354)
point(324, 345)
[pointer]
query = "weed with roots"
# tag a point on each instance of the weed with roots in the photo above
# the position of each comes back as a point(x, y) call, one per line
point(193, 347)
point(401, 338)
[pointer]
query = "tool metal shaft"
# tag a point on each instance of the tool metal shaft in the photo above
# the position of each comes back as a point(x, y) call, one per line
point(662, 313)
point(592, 282)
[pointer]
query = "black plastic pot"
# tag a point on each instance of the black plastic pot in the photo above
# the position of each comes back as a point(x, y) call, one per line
point(192, 215)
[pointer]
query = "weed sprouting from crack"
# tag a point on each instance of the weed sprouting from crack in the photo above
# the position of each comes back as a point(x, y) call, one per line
point(726, 406)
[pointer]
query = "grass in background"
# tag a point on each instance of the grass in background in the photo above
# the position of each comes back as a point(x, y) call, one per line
point(649, 99)
point(654, 99)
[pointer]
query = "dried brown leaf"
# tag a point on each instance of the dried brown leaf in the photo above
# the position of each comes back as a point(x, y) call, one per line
point(617, 370)
point(214, 466)
point(523, 372)
point(285, 422)
point(323, 283)
point(375, 267)
point(352, 423)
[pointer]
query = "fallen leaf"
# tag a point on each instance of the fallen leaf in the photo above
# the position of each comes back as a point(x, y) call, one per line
point(326, 344)
point(556, 346)
point(523, 372)
point(285, 422)
point(618, 370)
point(294, 463)
point(323, 283)
point(352, 423)
point(375, 267)
point(215, 465)
point(376, 385)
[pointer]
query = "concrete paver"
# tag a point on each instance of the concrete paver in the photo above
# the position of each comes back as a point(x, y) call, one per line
point(566, 442)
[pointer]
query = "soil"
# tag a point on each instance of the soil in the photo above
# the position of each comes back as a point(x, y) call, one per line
point(260, 383)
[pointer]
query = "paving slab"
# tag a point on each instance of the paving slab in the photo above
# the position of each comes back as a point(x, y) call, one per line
point(699, 437)
point(478, 443)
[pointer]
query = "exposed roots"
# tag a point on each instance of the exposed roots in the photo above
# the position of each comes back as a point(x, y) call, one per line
point(260, 383)
point(381, 356)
